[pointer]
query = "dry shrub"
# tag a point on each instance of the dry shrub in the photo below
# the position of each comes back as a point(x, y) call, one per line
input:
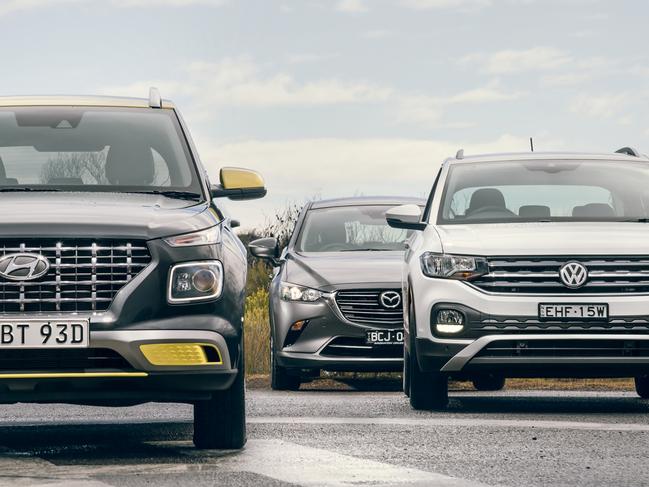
point(257, 328)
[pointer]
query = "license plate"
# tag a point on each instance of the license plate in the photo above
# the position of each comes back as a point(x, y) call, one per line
point(590, 312)
point(43, 334)
point(385, 337)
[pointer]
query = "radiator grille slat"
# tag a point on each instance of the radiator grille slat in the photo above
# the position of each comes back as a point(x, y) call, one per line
point(540, 275)
point(84, 275)
point(364, 307)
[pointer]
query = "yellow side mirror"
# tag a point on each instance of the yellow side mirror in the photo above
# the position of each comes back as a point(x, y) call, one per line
point(239, 184)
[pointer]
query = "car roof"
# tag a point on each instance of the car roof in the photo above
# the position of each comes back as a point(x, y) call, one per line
point(540, 156)
point(77, 101)
point(368, 201)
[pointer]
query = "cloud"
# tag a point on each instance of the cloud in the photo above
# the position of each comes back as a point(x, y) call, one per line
point(601, 106)
point(431, 110)
point(351, 6)
point(12, 6)
point(567, 79)
point(240, 82)
point(519, 60)
point(446, 4)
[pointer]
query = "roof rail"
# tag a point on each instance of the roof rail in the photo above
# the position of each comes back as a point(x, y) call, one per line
point(629, 151)
point(154, 98)
point(460, 154)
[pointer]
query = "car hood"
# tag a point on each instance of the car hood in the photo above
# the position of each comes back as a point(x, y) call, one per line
point(117, 215)
point(546, 238)
point(329, 270)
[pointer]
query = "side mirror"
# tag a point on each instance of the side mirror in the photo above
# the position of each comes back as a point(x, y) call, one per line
point(234, 223)
point(239, 184)
point(406, 217)
point(265, 248)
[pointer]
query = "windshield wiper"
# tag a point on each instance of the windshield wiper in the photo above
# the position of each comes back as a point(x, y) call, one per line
point(19, 189)
point(181, 195)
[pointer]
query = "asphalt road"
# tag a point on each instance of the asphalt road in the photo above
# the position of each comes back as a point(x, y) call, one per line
point(339, 438)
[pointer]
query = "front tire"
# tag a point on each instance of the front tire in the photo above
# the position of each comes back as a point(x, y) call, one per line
point(280, 379)
point(220, 422)
point(489, 383)
point(428, 390)
point(642, 386)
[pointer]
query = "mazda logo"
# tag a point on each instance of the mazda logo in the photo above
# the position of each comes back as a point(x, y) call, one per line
point(573, 274)
point(390, 299)
point(23, 266)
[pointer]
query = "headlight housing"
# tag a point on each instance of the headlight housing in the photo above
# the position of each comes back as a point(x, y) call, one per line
point(293, 292)
point(208, 236)
point(448, 266)
point(195, 281)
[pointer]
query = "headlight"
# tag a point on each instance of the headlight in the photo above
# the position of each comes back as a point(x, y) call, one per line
point(195, 281)
point(292, 292)
point(209, 236)
point(452, 266)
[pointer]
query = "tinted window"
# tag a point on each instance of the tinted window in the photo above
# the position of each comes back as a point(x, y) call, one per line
point(352, 228)
point(545, 191)
point(94, 149)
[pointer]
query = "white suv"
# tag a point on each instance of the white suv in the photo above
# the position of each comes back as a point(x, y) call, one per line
point(527, 265)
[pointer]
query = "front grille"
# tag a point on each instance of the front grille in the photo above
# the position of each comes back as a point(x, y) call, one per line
point(540, 275)
point(566, 348)
point(364, 307)
point(68, 360)
point(84, 275)
point(358, 347)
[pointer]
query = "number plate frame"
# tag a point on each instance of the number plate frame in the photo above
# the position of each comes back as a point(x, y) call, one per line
point(32, 333)
point(573, 311)
point(394, 337)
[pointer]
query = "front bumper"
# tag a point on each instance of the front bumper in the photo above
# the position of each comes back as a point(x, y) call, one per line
point(330, 341)
point(137, 380)
point(504, 335)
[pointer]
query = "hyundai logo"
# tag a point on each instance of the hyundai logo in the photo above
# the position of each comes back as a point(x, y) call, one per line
point(23, 266)
point(573, 274)
point(390, 299)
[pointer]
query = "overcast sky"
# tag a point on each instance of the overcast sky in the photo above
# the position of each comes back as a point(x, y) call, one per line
point(349, 97)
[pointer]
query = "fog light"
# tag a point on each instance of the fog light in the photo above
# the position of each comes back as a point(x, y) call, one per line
point(298, 325)
point(449, 321)
point(181, 354)
point(195, 281)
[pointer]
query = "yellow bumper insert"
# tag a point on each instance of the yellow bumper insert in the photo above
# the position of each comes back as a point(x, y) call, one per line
point(181, 354)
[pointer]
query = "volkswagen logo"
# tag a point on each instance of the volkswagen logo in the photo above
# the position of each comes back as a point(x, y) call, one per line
point(390, 299)
point(23, 266)
point(573, 274)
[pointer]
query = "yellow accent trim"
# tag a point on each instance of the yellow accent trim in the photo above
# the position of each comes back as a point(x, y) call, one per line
point(85, 101)
point(238, 178)
point(179, 354)
point(72, 375)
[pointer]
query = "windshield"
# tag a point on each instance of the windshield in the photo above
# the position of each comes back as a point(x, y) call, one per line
point(527, 191)
point(94, 149)
point(350, 228)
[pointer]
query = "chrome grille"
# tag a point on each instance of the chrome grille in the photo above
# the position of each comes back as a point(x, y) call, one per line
point(84, 275)
point(540, 275)
point(363, 306)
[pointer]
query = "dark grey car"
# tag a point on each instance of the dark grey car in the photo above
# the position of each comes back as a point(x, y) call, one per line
point(335, 298)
